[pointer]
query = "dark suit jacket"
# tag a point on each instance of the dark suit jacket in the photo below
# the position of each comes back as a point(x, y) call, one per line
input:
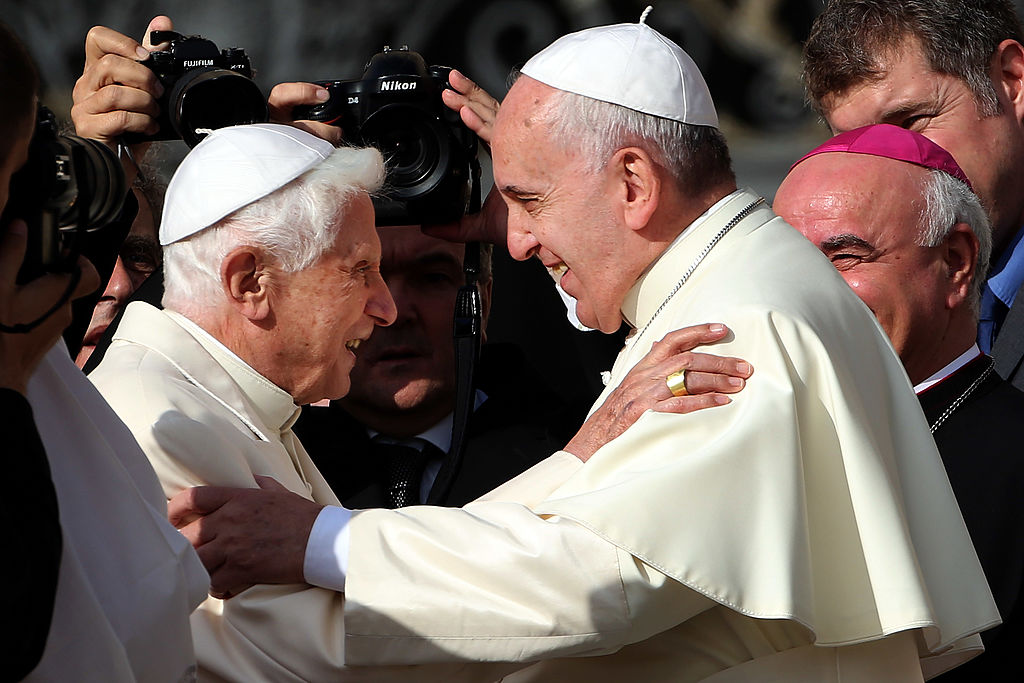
point(519, 424)
point(982, 447)
point(1008, 348)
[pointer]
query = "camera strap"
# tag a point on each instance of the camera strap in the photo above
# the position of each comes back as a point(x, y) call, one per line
point(25, 328)
point(468, 339)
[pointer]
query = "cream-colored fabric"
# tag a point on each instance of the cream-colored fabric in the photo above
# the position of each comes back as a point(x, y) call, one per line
point(203, 416)
point(818, 494)
point(127, 580)
point(816, 497)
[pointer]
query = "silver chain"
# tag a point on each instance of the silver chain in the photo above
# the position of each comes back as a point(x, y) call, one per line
point(963, 397)
point(744, 212)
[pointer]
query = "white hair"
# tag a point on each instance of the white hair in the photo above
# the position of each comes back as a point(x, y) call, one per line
point(295, 225)
point(949, 201)
point(696, 156)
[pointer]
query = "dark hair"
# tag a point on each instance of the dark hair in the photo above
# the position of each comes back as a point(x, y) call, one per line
point(19, 82)
point(958, 37)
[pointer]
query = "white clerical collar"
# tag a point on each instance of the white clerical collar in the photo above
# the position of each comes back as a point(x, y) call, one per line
point(960, 361)
point(638, 310)
point(275, 406)
point(689, 230)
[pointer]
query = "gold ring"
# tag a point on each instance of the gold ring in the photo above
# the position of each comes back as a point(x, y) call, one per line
point(677, 383)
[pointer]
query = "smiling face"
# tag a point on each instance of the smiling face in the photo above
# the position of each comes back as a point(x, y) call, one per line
point(321, 313)
point(942, 107)
point(560, 211)
point(864, 213)
point(404, 379)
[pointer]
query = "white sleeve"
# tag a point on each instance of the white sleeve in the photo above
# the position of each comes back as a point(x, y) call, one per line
point(326, 561)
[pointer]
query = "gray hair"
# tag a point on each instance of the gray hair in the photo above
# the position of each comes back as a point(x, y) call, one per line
point(696, 156)
point(295, 225)
point(949, 201)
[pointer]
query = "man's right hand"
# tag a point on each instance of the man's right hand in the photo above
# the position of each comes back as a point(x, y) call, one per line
point(116, 94)
point(20, 353)
point(707, 380)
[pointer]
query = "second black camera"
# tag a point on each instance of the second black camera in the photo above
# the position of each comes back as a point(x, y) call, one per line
point(396, 107)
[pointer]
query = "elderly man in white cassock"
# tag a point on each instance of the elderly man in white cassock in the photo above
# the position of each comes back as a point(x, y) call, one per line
point(805, 531)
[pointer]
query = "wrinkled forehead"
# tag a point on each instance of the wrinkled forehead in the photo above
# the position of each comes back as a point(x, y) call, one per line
point(524, 114)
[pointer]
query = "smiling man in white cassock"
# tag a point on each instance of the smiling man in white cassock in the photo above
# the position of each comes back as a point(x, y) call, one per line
point(804, 532)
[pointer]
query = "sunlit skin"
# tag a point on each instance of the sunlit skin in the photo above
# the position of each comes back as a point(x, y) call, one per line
point(139, 258)
point(297, 329)
point(863, 212)
point(563, 213)
point(404, 379)
point(942, 107)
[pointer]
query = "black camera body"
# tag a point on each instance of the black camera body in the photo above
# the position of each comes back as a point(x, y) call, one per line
point(430, 153)
point(204, 88)
point(67, 187)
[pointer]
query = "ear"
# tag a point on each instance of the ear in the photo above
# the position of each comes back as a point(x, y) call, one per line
point(639, 181)
point(245, 278)
point(1007, 72)
point(961, 258)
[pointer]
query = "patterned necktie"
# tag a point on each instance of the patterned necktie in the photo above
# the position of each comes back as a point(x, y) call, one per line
point(402, 468)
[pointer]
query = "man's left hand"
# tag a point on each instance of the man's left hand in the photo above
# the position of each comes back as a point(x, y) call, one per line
point(246, 536)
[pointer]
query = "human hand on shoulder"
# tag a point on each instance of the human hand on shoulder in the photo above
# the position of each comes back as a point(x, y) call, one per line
point(700, 381)
point(246, 536)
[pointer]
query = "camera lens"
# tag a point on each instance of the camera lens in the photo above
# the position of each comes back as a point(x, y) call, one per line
point(210, 98)
point(414, 146)
point(100, 184)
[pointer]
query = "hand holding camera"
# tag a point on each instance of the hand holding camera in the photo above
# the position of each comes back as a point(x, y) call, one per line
point(116, 94)
point(475, 105)
point(180, 87)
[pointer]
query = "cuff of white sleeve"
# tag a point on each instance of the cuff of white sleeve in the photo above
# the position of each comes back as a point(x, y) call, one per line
point(326, 561)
